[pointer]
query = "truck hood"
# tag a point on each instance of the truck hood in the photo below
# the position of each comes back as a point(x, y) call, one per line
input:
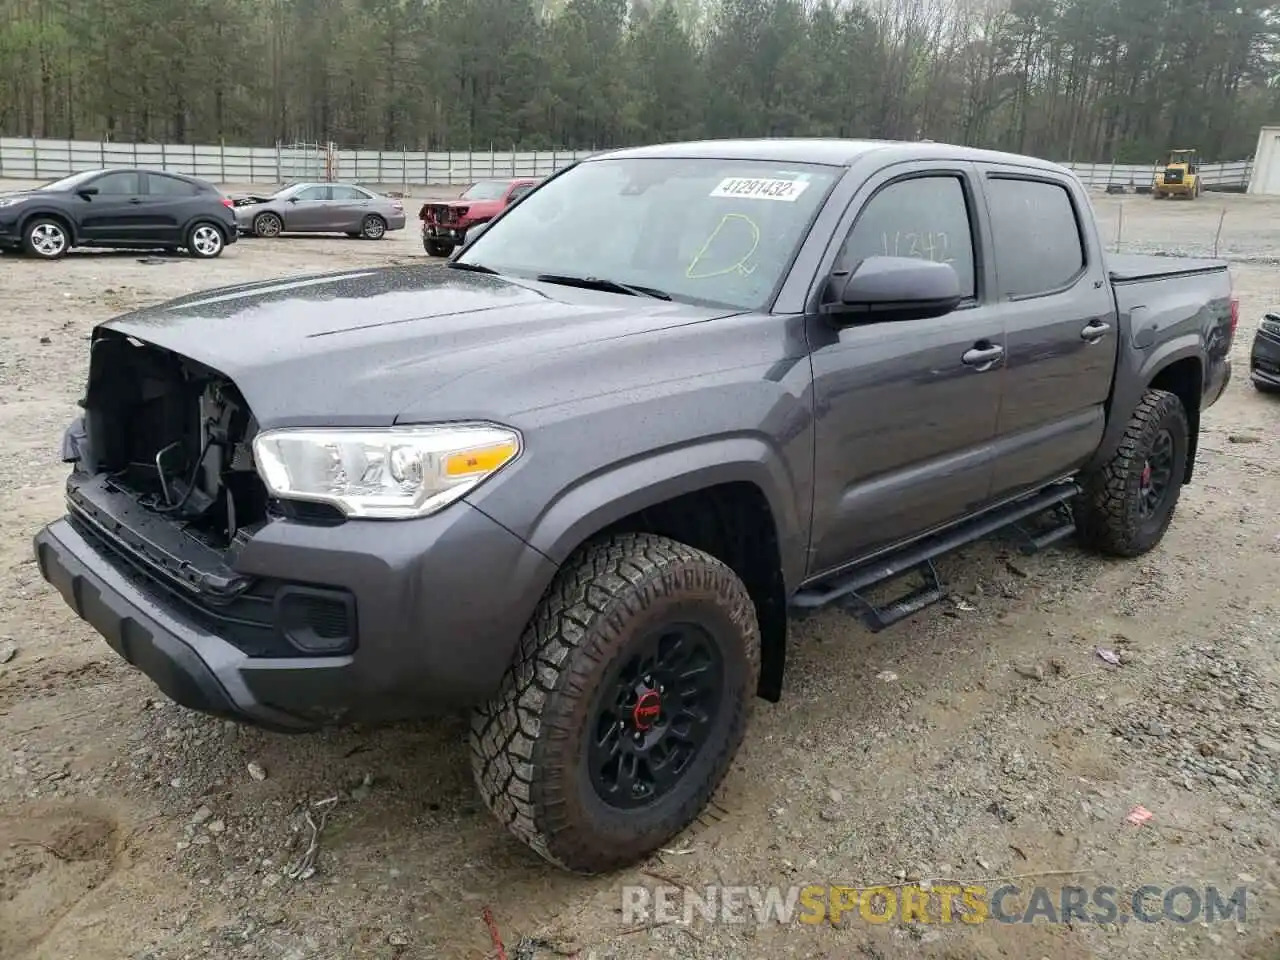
point(361, 347)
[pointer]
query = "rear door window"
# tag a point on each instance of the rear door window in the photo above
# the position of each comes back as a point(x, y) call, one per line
point(1036, 236)
point(159, 185)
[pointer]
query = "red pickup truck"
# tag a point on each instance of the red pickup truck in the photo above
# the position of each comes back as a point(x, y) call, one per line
point(445, 224)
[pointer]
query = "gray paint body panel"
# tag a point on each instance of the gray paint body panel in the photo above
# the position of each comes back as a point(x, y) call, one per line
point(861, 438)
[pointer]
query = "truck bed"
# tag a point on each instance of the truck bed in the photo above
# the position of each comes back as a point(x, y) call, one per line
point(1136, 267)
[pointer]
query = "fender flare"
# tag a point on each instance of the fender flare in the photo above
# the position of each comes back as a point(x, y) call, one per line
point(621, 489)
point(1131, 383)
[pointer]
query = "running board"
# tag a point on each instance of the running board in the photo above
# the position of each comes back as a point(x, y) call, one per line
point(847, 588)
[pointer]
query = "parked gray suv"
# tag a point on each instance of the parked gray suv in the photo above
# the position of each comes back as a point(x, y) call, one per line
point(576, 479)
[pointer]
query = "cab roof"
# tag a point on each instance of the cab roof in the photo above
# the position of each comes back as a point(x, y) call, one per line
point(824, 151)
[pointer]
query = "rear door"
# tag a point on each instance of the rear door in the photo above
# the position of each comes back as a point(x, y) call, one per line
point(518, 191)
point(906, 411)
point(1059, 315)
point(309, 210)
point(113, 213)
point(169, 203)
point(348, 207)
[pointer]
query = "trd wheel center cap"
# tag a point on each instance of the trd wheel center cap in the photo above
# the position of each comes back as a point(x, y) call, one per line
point(647, 710)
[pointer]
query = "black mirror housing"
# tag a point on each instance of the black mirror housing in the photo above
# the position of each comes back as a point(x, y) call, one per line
point(880, 289)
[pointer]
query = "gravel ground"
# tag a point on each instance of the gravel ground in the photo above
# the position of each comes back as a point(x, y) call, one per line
point(985, 738)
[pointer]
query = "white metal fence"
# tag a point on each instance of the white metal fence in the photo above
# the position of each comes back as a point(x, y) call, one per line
point(25, 159)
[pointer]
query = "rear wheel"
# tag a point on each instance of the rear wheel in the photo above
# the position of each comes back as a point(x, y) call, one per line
point(626, 703)
point(205, 241)
point(46, 238)
point(267, 225)
point(437, 248)
point(373, 227)
point(1127, 504)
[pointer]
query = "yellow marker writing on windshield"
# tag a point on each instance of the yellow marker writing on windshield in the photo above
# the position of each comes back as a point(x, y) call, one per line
point(739, 266)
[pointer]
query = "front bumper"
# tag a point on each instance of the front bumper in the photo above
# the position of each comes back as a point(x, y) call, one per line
point(451, 232)
point(10, 235)
point(440, 605)
point(1264, 360)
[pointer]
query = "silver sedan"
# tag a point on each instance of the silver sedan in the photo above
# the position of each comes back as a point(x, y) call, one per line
point(319, 208)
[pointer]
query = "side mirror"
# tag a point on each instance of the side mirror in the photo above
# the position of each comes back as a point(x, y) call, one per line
point(881, 289)
point(88, 192)
point(293, 199)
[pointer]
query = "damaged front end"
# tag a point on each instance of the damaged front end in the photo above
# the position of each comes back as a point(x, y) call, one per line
point(174, 436)
point(165, 485)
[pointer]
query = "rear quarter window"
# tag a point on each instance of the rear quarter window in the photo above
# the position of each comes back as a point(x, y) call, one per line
point(1036, 236)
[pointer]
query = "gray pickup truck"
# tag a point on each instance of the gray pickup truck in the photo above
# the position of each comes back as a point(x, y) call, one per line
point(578, 479)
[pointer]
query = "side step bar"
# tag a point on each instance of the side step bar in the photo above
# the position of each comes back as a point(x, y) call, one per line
point(847, 588)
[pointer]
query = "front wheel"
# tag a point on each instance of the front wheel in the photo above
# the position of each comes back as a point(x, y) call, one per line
point(437, 248)
point(627, 701)
point(267, 225)
point(205, 241)
point(45, 238)
point(373, 228)
point(1128, 503)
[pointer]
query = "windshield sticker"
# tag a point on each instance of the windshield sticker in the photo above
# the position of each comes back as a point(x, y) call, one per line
point(760, 188)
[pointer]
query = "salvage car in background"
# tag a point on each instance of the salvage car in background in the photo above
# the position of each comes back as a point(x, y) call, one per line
point(320, 208)
point(445, 224)
point(121, 207)
point(1264, 357)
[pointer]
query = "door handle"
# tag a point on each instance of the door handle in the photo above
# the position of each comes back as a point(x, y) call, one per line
point(982, 355)
point(1094, 331)
point(135, 199)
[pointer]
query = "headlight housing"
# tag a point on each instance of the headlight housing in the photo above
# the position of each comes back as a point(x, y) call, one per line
point(1271, 325)
point(11, 201)
point(391, 473)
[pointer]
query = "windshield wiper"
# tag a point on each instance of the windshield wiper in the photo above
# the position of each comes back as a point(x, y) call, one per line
point(473, 267)
point(609, 286)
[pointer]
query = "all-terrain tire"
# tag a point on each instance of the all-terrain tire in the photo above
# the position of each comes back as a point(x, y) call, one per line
point(437, 248)
point(531, 745)
point(1108, 512)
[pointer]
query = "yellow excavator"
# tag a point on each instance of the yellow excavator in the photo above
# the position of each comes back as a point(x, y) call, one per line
point(1178, 176)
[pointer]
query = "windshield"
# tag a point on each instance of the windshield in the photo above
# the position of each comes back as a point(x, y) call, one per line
point(702, 230)
point(70, 182)
point(486, 190)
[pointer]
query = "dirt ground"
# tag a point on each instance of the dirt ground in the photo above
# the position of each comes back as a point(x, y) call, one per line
point(983, 739)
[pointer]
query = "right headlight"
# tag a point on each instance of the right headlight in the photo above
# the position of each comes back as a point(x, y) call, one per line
point(393, 473)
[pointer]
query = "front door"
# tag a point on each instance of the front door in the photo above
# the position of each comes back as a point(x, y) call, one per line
point(309, 211)
point(905, 411)
point(1060, 321)
point(113, 212)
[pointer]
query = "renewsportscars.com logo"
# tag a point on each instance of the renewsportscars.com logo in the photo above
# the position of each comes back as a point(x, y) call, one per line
point(933, 904)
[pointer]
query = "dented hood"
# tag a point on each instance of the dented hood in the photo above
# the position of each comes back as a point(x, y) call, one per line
point(367, 346)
